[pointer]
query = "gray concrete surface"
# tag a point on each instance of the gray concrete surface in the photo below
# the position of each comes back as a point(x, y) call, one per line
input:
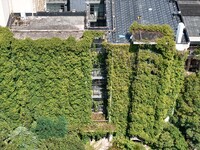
point(48, 27)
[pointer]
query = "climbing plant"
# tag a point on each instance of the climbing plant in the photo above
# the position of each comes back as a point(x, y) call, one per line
point(144, 82)
point(119, 66)
point(45, 78)
point(157, 83)
point(170, 138)
point(187, 111)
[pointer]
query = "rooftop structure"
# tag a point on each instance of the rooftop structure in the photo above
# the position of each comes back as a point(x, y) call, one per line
point(121, 14)
point(48, 27)
point(190, 11)
point(114, 16)
point(59, 18)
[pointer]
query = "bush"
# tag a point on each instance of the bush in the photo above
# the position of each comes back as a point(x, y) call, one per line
point(21, 139)
point(70, 142)
point(122, 143)
point(46, 128)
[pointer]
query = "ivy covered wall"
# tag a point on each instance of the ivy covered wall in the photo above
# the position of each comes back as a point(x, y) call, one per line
point(45, 78)
point(119, 66)
point(144, 82)
point(52, 77)
point(187, 111)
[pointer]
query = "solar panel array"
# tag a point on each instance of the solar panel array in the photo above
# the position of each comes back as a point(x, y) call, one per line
point(143, 11)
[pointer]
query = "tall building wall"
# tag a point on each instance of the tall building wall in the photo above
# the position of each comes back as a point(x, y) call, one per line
point(4, 12)
point(22, 6)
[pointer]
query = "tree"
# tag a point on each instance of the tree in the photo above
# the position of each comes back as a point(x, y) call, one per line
point(21, 139)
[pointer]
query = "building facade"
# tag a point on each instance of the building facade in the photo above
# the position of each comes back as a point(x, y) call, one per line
point(5, 10)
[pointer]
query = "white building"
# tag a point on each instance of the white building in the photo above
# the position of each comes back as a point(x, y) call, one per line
point(5, 10)
point(19, 6)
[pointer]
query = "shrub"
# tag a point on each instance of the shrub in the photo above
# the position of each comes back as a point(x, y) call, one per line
point(46, 128)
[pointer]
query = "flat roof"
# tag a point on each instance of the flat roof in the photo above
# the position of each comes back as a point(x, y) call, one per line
point(48, 27)
point(190, 9)
point(122, 13)
point(193, 25)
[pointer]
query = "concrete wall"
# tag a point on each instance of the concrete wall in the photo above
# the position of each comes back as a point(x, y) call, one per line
point(4, 12)
point(23, 6)
point(19, 6)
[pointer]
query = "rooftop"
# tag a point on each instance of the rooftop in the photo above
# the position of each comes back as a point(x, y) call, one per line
point(189, 7)
point(190, 10)
point(48, 27)
point(121, 14)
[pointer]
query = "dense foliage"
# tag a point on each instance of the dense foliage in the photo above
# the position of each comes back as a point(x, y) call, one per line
point(20, 138)
point(159, 77)
point(71, 142)
point(125, 144)
point(46, 128)
point(119, 74)
point(165, 30)
point(49, 78)
point(144, 82)
point(44, 78)
point(23, 139)
point(187, 112)
point(170, 138)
